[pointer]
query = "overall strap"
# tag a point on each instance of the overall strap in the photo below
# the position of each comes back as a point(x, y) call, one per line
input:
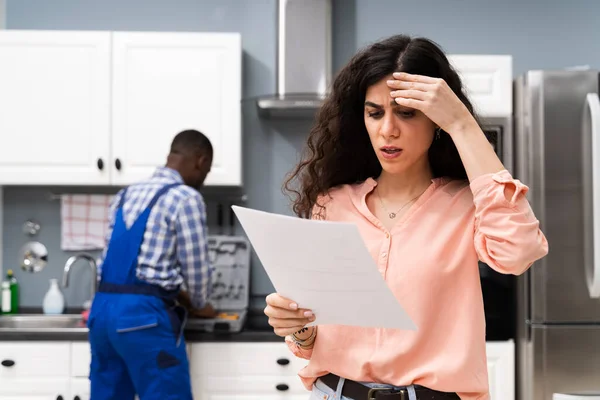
point(159, 193)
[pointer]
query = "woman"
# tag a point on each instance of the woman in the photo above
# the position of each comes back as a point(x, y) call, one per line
point(397, 150)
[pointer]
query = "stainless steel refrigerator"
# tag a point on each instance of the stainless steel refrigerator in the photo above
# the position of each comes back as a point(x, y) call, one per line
point(557, 154)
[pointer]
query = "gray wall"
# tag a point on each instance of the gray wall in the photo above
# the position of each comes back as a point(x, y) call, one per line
point(538, 33)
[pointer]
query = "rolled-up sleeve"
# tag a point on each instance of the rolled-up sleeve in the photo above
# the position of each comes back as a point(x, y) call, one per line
point(507, 233)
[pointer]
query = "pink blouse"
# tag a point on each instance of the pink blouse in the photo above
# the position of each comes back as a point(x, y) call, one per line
point(430, 261)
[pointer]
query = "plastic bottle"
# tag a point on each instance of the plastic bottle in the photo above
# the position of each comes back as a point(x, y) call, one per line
point(54, 302)
point(10, 294)
point(14, 291)
point(5, 290)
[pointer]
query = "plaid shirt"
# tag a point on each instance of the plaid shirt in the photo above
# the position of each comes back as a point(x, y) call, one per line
point(174, 251)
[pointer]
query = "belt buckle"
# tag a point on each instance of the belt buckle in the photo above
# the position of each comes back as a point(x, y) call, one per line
point(372, 394)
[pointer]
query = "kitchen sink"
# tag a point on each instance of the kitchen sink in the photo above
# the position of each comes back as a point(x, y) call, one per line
point(42, 323)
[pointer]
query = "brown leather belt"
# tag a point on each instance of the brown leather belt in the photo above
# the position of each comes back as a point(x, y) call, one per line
point(358, 391)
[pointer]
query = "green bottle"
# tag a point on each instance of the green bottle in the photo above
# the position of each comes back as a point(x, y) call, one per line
point(10, 301)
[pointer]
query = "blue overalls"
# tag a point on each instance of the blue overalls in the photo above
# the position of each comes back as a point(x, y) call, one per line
point(136, 329)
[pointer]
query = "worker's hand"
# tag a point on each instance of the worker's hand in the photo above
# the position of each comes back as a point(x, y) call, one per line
point(183, 298)
point(205, 312)
point(285, 316)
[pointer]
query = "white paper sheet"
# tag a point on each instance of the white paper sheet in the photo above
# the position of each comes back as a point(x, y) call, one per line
point(323, 266)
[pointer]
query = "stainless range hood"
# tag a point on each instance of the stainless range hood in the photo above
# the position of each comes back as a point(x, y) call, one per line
point(303, 59)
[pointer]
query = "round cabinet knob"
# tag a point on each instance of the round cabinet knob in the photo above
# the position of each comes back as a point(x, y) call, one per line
point(59, 398)
point(118, 164)
point(283, 361)
point(282, 387)
point(7, 363)
point(77, 398)
point(100, 164)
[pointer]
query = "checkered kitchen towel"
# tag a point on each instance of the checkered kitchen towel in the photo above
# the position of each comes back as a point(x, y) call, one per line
point(84, 221)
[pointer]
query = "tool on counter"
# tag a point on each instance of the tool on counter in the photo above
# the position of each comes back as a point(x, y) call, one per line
point(230, 316)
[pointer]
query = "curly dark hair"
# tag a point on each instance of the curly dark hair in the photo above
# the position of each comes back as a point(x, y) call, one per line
point(339, 151)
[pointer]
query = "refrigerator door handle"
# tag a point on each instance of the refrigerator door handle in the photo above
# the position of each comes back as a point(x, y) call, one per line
point(591, 123)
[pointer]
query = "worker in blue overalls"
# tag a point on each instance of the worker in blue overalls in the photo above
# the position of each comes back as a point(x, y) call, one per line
point(157, 244)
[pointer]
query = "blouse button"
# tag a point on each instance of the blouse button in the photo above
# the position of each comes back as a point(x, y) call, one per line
point(387, 235)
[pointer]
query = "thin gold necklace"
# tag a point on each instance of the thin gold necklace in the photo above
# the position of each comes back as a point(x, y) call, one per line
point(392, 215)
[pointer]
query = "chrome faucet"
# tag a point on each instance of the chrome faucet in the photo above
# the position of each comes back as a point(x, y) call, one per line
point(92, 263)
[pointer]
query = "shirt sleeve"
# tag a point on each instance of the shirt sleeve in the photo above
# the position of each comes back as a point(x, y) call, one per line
point(507, 233)
point(111, 224)
point(192, 249)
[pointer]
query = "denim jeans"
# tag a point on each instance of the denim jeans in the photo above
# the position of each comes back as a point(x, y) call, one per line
point(321, 391)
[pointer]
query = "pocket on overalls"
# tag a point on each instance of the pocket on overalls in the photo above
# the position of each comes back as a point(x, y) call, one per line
point(136, 323)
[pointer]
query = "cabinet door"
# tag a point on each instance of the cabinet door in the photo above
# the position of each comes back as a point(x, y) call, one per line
point(80, 389)
point(34, 360)
point(164, 83)
point(248, 388)
point(55, 107)
point(487, 80)
point(501, 369)
point(243, 396)
point(81, 357)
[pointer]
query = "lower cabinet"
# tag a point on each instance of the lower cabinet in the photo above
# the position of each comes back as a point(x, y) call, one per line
point(501, 369)
point(246, 371)
point(219, 371)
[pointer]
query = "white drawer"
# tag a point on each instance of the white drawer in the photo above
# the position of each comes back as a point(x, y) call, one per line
point(235, 359)
point(35, 359)
point(250, 385)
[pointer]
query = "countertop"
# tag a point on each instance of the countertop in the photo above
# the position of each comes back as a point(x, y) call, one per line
point(246, 335)
point(256, 329)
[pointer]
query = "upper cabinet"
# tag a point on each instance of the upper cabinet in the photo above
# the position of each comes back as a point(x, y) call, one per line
point(164, 83)
point(55, 107)
point(487, 80)
point(101, 108)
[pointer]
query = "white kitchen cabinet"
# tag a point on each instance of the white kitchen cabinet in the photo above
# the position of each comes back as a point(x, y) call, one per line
point(34, 371)
point(55, 103)
point(35, 389)
point(501, 369)
point(164, 83)
point(487, 80)
point(79, 389)
point(101, 108)
point(224, 371)
point(81, 357)
point(219, 371)
point(246, 371)
point(249, 388)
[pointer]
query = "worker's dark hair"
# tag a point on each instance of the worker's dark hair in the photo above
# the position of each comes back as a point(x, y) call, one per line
point(191, 142)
